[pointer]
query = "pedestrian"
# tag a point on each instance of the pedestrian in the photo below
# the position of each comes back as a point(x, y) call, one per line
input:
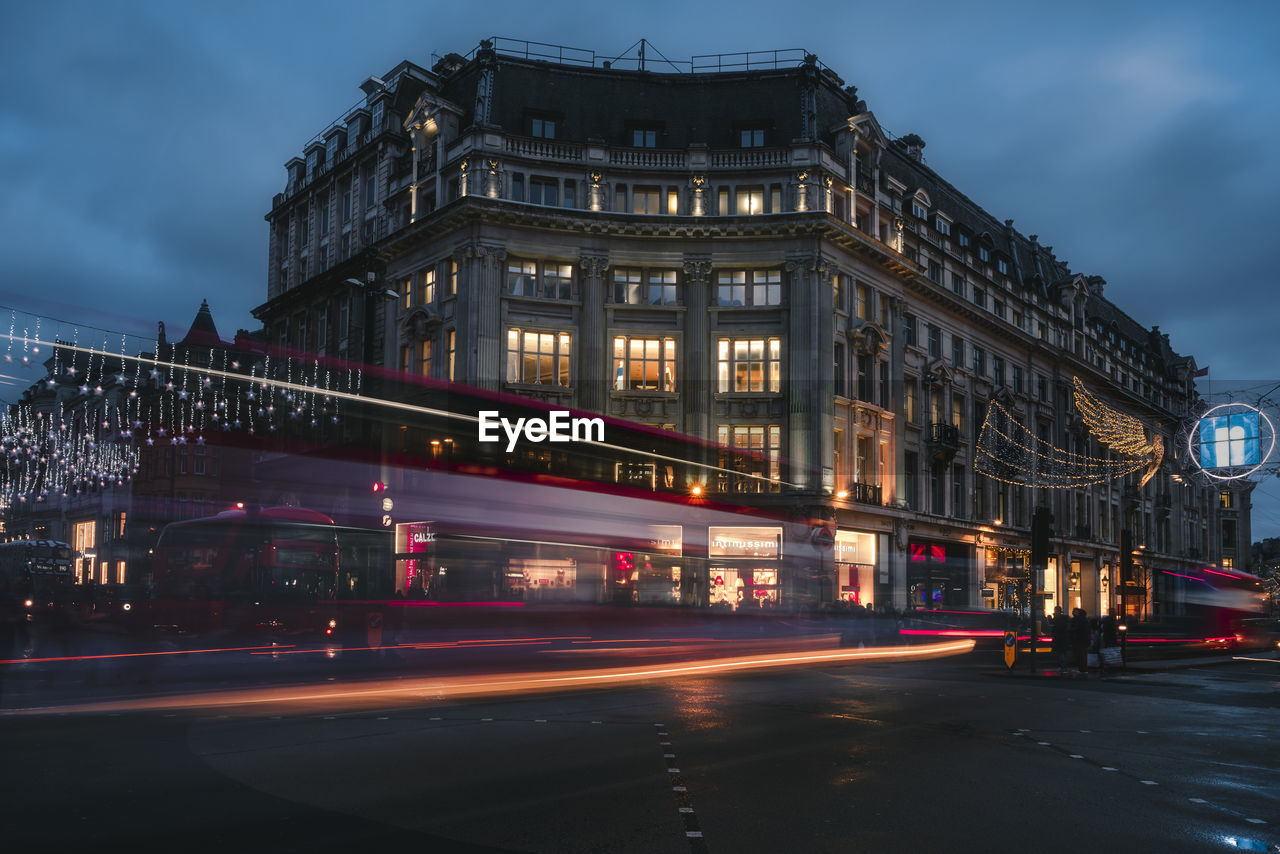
point(1079, 632)
point(1108, 639)
point(1060, 630)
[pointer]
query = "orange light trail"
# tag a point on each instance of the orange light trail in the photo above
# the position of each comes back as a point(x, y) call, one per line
point(437, 689)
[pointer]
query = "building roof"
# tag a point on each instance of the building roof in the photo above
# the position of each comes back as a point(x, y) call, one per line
point(203, 331)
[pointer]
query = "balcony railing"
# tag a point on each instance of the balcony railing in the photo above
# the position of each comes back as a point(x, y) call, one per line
point(748, 158)
point(943, 434)
point(865, 493)
point(866, 184)
point(648, 157)
point(545, 149)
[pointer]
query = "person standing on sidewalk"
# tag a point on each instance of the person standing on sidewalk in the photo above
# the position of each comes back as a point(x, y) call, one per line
point(1080, 640)
point(1060, 630)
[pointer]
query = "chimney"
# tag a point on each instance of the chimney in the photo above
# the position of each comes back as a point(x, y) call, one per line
point(914, 146)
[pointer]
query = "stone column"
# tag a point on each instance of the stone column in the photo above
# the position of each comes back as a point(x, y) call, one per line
point(594, 361)
point(698, 370)
point(810, 371)
point(480, 339)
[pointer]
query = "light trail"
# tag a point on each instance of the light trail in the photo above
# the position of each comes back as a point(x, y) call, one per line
point(437, 689)
point(143, 654)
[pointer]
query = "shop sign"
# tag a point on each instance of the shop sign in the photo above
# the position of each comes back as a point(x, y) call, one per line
point(667, 539)
point(744, 542)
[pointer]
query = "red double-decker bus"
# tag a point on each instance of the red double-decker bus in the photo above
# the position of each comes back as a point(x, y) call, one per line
point(270, 571)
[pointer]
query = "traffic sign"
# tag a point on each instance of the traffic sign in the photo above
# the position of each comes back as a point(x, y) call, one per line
point(1010, 648)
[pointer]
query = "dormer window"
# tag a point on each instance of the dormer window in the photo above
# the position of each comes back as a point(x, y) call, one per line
point(544, 127)
point(376, 124)
point(942, 226)
point(984, 254)
point(918, 210)
point(751, 137)
point(645, 136)
point(1002, 264)
point(962, 240)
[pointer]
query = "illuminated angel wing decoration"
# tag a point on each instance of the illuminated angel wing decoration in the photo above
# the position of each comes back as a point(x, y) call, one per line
point(1010, 452)
point(1124, 434)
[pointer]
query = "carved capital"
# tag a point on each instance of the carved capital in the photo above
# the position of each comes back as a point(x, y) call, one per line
point(698, 270)
point(489, 256)
point(593, 266)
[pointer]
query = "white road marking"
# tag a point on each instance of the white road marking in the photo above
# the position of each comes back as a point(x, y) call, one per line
point(1148, 782)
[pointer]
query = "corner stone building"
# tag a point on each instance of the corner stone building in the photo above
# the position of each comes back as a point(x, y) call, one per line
point(744, 256)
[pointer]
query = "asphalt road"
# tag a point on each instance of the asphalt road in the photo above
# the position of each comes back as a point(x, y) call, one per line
point(947, 755)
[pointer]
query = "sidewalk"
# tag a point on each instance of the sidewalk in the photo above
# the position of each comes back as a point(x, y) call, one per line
point(1021, 669)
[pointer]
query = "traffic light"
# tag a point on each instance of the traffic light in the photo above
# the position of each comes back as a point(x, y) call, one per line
point(1041, 531)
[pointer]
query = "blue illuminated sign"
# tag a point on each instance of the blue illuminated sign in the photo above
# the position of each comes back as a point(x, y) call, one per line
point(1228, 441)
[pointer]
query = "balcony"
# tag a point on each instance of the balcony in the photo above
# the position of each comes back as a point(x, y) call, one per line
point(866, 184)
point(864, 493)
point(944, 440)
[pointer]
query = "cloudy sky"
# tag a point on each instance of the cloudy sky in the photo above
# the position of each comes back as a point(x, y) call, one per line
point(141, 143)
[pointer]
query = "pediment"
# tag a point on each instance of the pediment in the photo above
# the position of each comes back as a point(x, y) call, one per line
point(870, 338)
point(418, 322)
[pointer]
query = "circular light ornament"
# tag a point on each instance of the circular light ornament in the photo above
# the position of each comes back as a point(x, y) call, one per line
point(1241, 441)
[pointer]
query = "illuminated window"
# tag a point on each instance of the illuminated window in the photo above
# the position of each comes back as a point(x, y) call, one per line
point(451, 343)
point(862, 302)
point(1225, 500)
point(749, 365)
point(644, 364)
point(406, 293)
point(120, 567)
point(646, 200)
point(750, 201)
point(424, 358)
point(428, 290)
point(910, 399)
point(453, 277)
point(762, 446)
point(538, 358)
point(749, 287)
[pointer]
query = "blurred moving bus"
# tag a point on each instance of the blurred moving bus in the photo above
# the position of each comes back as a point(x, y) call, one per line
point(36, 574)
point(272, 571)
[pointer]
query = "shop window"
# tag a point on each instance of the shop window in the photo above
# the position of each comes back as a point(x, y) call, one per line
point(644, 364)
point(749, 365)
point(538, 358)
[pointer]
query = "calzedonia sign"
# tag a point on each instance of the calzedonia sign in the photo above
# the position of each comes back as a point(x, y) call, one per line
point(560, 426)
